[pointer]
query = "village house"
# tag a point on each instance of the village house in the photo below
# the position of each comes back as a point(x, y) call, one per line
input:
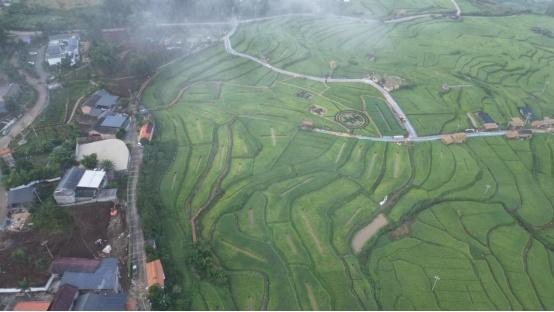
point(109, 124)
point(155, 274)
point(99, 102)
point(79, 185)
point(307, 124)
point(146, 132)
point(516, 123)
point(391, 83)
point(21, 197)
point(62, 46)
point(522, 134)
point(546, 123)
point(490, 126)
point(455, 138)
point(88, 274)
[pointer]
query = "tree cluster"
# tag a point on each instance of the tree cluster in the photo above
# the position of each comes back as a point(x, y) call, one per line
point(205, 264)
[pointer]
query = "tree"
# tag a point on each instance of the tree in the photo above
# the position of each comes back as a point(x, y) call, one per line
point(120, 134)
point(3, 35)
point(62, 156)
point(24, 285)
point(141, 65)
point(90, 161)
point(107, 165)
point(102, 54)
point(158, 298)
point(117, 11)
point(51, 218)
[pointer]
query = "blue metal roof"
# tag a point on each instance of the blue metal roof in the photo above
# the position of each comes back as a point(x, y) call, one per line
point(21, 195)
point(70, 179)
point(104, 278)
point(99, 302)
point(115, 121)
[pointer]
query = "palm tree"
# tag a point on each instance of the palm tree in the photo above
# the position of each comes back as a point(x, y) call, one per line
point(107, 165)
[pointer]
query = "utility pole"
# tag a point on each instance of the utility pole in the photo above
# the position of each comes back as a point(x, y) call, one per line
point(437, 278)
point(45, 244)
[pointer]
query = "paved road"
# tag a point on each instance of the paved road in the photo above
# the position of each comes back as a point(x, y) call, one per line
point(393, 105)
point(136, 239)
point(42, 100)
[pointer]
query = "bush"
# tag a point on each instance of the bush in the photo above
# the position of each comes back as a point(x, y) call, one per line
point(51, 218)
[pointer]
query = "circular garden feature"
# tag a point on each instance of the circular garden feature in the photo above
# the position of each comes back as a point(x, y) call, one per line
point(352, 119)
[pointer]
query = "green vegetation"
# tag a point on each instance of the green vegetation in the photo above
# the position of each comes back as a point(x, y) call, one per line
point(278, 206)
point(90, 161)
point(494, 64)
point(51, 218)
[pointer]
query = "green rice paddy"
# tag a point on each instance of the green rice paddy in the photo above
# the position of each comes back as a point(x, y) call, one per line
point(479, 215)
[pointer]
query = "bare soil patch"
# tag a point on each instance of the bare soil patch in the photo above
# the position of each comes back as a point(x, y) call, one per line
point(401, 231)
point(363, 235)
point(313, 301)
point(25, 257)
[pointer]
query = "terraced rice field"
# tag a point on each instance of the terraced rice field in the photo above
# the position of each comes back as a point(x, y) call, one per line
point(500, 62)
point(280, 205)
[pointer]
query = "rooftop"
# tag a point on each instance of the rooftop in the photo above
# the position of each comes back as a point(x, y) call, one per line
point(70, 180)
point(104, 278)
point(99, 302)
point(100, 101)
point(66, 264)
point(31, 306)
point(92, 179)
point(146, 131)
point(21, 195)
point(114, 120)
point(155, 273)
point(63, 300)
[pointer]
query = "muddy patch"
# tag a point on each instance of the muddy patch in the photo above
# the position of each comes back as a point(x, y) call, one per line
point(367, 232)
point(401, 231)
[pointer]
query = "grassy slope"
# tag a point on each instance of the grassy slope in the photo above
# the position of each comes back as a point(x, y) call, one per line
point(293, 199)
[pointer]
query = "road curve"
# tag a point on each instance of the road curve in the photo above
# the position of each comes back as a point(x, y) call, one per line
point(393, 105)
point(42, 100)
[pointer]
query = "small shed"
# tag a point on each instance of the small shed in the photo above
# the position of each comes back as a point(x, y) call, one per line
point(490, 126)
point(307, 124)
point(21, 197)
point(516, 123)
point(454, 138)
point(146, 132)
point(155, 274)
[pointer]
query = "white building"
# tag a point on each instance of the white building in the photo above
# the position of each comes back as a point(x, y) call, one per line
point(63, 46)
point(79, 184)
